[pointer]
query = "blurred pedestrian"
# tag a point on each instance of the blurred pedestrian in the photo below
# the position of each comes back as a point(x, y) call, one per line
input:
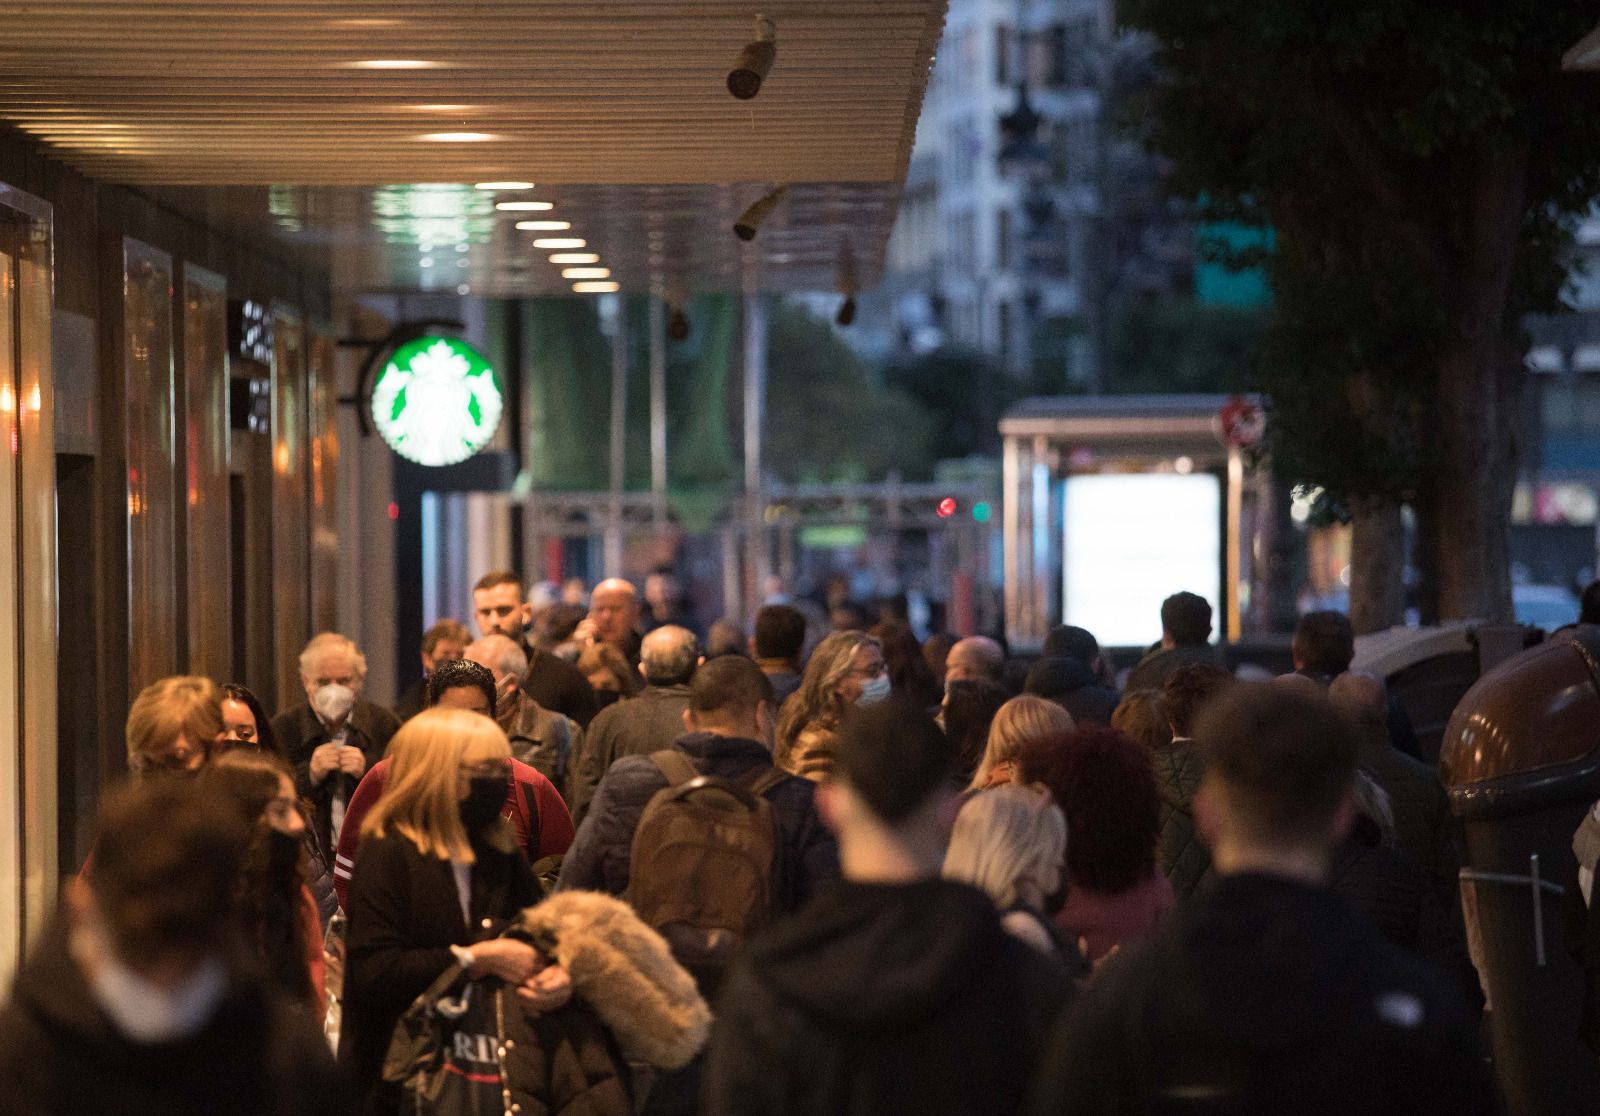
point(1073, 685)
point(1185, 631)
point(444, 641)
point(244, 721)
point(1267, 993)
point(1180, 852)
point(1106, 787)
point(613, 618)
point(725, 637)
point(609, 674)
point(778, 643)
point(909, 676)
point(500, 608)
point(936, 650)
point(1142, 714)
point(1010, 843)
point(974, 657)
point(1323, 646)
point(140, 999)
point(174, 726)
point(893, 990)
point(541, 738)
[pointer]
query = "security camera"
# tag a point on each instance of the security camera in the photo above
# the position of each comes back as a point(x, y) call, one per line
point(678, 324)
point(755, 61)
point(760, 209)
point(847, 311)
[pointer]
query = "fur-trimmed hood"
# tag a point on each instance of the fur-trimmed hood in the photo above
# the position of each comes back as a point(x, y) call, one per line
point(625, 972)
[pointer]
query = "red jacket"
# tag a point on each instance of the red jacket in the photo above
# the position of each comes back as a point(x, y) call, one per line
point(532, 804)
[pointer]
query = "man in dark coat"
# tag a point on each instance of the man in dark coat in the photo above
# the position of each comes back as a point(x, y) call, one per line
point(139, 1001)
point(500, 608)
point(444, 641)
point(778, 642)
point(893, 990)
point(1075, 687)
point(1185, 628)
point(1267, 993)
point(640, 725)
point(335, 735)
point(729, 724)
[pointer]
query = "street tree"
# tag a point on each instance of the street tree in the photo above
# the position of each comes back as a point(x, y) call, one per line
point(1422, 165)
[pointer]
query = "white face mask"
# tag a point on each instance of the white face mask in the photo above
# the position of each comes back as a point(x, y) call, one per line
point(874, 691)
point(333, 702)
point(147, 1012)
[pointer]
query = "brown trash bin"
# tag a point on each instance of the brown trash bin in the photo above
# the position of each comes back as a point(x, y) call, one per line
point(1521, 761)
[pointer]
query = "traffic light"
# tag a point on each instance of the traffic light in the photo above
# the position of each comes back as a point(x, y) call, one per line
point(947, 507)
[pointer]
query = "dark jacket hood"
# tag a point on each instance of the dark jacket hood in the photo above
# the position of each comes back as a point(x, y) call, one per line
point(1053, 677)
point(1281, 959)
point(881, 955)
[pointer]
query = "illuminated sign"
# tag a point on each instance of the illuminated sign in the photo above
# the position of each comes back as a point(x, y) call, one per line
point(436, 402)
point(250, 330)
point(1131, 541)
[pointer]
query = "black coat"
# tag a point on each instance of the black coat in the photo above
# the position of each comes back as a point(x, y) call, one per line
point(1263, 996)
point(299, 733)
point(1180, 853)
point(258, 1055)
point(558, 685)
point(404, 915)
point(880, 999)
point(601, 853)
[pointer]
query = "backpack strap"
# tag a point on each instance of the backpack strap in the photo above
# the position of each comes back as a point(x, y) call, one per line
point(675, 766)
point(530, 806)
point(766, 777)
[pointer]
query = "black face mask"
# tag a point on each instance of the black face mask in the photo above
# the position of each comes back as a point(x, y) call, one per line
point(603, 698)
point(487, 794)
point(283, 853)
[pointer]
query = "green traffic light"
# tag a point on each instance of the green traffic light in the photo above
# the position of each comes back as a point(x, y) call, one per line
point(981, 511)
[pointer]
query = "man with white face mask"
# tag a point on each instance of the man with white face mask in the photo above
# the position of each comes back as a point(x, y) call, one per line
point(137, 1001)
point(336, 734)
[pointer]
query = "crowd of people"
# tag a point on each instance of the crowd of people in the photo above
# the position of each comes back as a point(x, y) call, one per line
point(592, 863)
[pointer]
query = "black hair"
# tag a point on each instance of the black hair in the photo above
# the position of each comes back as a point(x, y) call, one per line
point(1325, 643)
point(453, 673)
point(894, 758)
point(969, 711)
point(731, 685)
point(232, 691)
point(780, 633)
point(1066, 641)
point(1186, 617)
point(1188, 689)
point(1286, 758)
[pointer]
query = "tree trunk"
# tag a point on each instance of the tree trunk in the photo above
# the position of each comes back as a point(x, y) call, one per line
point(1377, 568)
point(1479, 382)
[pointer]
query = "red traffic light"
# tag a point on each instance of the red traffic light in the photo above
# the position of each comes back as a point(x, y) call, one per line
point(947, 507)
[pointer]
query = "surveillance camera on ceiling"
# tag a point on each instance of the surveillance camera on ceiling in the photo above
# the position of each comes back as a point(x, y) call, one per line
point(755, 61)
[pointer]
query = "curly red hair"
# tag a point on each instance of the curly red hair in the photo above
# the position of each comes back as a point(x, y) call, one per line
point(1104, 783)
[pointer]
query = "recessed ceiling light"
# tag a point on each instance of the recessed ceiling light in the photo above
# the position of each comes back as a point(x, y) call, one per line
point(425, 262)
point(596, 288)
point(544, 226)
point(458, 137)
point(392, 64)
point(365, 21)
point(453, 110)
point(508, 184)
point(463, 289)
point(524, 206)
point(586, 273)
point(574, 258)
point(561, 242)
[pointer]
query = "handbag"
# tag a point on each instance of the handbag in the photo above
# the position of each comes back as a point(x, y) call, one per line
point(448, 1050)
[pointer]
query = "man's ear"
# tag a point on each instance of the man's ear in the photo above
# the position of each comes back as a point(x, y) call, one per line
point(689, 724)
point(644, 670)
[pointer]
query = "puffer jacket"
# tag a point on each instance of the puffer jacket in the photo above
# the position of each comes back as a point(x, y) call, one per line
point(1179, 851)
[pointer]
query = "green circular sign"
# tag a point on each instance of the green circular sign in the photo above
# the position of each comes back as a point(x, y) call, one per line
point(436, 402)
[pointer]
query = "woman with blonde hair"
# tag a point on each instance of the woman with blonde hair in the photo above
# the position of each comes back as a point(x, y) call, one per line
point(846, 669)
point(438, 877)
point(1010, 843)
point(174, 725)
point(1142, 714)
point(1019, 720)
point(609, 674)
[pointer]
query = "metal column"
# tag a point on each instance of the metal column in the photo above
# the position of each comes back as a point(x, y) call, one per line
point(658, 411)
point(755, 409)
point(619, 436)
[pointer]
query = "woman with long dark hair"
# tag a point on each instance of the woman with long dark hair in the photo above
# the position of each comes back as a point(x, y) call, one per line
point(276, 909)
point(244, 721)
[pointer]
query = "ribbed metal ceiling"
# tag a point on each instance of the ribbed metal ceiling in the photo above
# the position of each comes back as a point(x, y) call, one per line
point(358, 128)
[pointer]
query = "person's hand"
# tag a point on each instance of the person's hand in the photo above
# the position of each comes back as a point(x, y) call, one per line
point(1083, 948)
point(324, 761)
point(510, 960)
point(549, 989)
point(586, 633)
point(352, 760)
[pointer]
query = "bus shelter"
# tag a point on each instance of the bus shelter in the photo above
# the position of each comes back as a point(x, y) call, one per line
point(1112, 503)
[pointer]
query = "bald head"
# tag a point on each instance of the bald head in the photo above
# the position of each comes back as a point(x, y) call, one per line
point(1310, 688)
point(668, 656)
point(974, 657)
point(1362, 696)
point(614, 610)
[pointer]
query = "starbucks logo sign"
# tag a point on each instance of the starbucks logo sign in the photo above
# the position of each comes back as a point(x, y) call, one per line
point(436, 402)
